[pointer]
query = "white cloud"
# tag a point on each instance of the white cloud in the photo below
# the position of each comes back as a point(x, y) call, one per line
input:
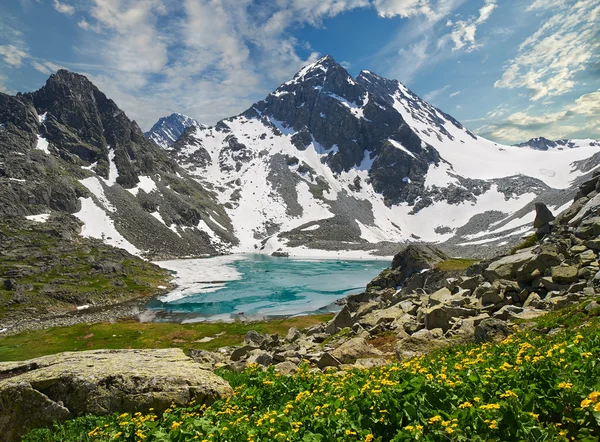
point(454, 94)
point(575, 120)
point(45, 67)
point(463, 33)
point(402, 8)
point(63, 8)
point(588, 104)
point(564, 45)
point(432, 95)
point(13, 56)
point(211, 60)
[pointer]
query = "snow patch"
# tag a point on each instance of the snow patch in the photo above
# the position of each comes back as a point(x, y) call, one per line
point(146, 184)
point(42, 144)
point(41, 218)
point(97, 224)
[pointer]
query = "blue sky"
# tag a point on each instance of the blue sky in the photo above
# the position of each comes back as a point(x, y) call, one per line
point(509, 70)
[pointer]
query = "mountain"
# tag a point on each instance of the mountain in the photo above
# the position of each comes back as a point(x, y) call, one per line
point(67, 148)
point(332, 162)
point(542, 143)
point(168, 129)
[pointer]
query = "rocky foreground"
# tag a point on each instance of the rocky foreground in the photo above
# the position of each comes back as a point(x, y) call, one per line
point(419, 308)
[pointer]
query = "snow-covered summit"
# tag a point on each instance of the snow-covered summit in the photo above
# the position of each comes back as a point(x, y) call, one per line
point(168, 129)
point(328, 161)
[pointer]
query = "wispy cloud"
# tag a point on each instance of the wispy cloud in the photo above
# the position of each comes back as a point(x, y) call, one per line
point(63, 8)
point(463, 32)
point(432, 95)
point(565, 44)
point(454, 94)
point(572, 120)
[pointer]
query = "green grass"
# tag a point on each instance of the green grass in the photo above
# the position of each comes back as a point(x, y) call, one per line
point(529, 387)
point(455, 264)
point(132, 334)
point(54, 273)
point(530, 241)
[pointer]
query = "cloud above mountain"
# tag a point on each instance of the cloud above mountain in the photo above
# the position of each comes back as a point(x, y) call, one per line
point(213, 58)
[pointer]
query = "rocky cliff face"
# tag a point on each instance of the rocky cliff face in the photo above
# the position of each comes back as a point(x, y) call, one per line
point(167, 130)
point(327, 161)
point(68, 148)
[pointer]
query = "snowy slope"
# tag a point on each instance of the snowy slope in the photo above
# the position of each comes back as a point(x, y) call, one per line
point(167, 129)
point(333, 163)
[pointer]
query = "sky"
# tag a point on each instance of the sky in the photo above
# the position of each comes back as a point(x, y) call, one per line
point(508, 70)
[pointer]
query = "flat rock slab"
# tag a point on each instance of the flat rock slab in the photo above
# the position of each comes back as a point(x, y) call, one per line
point(40, 391)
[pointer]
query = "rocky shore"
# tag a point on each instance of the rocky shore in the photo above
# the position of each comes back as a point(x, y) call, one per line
point(414, 307)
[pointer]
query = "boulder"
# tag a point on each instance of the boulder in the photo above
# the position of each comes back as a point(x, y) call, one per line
point(565, 274)
point(286, 368)
point(341, 320)
point(445, 297)
point(506, 268)
point(254, 338)
point(327, 360)
point(422, 342)
point(491, 329)
point(353, 349)
point(441, 316)
point(543, 215)
point(41, 391)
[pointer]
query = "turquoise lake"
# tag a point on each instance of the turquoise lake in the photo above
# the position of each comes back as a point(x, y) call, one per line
point(225, 287)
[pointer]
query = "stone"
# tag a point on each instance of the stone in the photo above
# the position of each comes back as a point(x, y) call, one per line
point(342, 319)
point(543, 216)
point(593, 244)
point(469, 282)
point(491, 297)
point(422, 342)
point(441, 315)
point(262, 358)
point(286, 368)
point(254, 338)
point(63, 386)
point(577, 249)
point(241, 352)
point(506, 268)
point(491, 329)
point(507, 312)
point(366, 363)
point(327, 360)
point(353, 349)
point(207, 359)
point(577, 287)
point(445, 297)
point(408, 307)
point(565, 274)
point(589, 228)
point(587, 257)
point(381, 316)
point(293, 334)
point(532, 300)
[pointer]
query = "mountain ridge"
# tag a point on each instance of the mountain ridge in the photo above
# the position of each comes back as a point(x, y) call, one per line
point(371, 142)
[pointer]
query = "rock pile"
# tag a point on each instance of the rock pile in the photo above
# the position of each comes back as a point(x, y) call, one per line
point(420, 308)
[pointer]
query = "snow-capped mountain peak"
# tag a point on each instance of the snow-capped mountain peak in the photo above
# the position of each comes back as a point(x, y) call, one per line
point(168, 129)
point(327, 161)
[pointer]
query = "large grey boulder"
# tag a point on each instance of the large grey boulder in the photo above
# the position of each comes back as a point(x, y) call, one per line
point(506, 268)
point(491, 329)
point(353, 349)
point(543, 216)
point(41, 391)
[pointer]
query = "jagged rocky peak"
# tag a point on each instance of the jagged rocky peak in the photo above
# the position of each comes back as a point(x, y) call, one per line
point(168, 129)
point(68, 148)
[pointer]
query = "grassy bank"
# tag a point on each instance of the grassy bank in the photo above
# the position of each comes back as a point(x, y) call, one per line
point(531, 386)
point(48, 268)
point(132, 334)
